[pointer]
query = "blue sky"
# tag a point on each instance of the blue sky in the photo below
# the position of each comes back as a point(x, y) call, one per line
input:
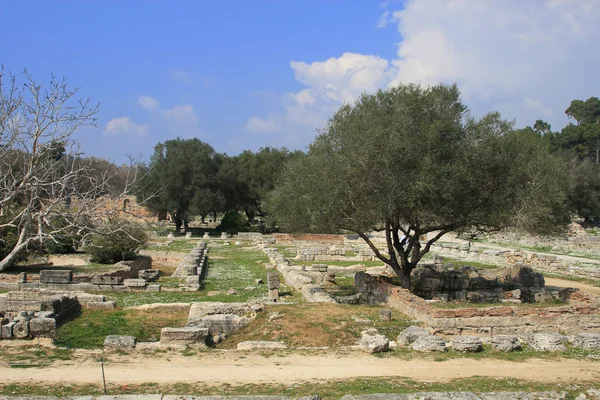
point(246, 74)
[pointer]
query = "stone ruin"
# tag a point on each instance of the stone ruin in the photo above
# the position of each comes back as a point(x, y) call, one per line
point(192, 270)
point(123, 276)
point(37, 313)
point(506, 284)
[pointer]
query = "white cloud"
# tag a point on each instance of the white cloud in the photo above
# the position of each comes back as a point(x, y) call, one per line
point(124, 126)
point(181, 76)
point(527, 60)
point(183, 115)
point(258, 125)
point(148, 103)
point(384, 20)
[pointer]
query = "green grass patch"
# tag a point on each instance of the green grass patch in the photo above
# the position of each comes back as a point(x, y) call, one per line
point(33, 356)
point(326, 389)
point(179, 245)
point(89, 329)
point(344, 286)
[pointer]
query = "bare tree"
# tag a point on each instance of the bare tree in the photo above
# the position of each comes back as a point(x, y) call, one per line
point(42, 178)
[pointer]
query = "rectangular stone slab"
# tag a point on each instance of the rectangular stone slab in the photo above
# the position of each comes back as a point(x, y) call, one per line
point(183, 335)
point(55, 276)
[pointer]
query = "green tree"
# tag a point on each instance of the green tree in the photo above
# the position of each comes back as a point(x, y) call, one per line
point(410, 161)
point(181, 175)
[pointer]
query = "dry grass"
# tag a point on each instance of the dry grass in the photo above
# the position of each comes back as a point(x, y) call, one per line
point(317, 325)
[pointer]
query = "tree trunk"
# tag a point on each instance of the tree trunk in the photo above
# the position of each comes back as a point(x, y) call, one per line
point(11, 257)
point(186, 225)
point(177, 220)
point(202, 217)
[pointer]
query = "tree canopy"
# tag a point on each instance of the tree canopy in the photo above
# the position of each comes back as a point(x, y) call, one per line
point(182, 180)
point(411, 161)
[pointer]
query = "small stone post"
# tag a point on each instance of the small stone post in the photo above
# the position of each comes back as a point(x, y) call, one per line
point(273, 285)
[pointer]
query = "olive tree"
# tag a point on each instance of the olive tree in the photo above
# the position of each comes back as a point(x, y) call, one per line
point(46, 192)
point(411, 162)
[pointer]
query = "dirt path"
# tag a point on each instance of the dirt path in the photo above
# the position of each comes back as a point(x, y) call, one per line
point(564, 283)
point(238, 368)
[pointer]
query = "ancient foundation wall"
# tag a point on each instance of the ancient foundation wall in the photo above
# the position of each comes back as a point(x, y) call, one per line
point(568, 319)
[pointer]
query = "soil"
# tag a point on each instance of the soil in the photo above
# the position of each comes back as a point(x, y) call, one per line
point(237, 368)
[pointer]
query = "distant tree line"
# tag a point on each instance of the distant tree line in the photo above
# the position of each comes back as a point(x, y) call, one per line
point(578, 144)
point(187, 177)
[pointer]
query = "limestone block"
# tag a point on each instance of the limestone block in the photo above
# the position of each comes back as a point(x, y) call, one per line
point(106, 280)
point(470, 344)
point(385, 315)
point(506, 343)
point(222, 323)
point(86, 297)
point(374, 343)
point(42, 327)
point(429, 344)
point(153, 288)
point(116, 342)
point(588, 341)
point(55, 276)
point(7, 330)
point(185, 336)
point(21, 329)
point(410, 334)
point(272, 280)
point(548, 342)
point(22, 278)
point(135, 283)
point(149, 275)
point(101, 305)
point(263, 345)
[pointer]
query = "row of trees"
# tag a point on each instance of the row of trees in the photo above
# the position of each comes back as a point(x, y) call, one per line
point(188, 177)
point(578, 144)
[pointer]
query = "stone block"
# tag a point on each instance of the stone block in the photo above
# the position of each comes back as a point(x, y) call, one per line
point(116, 342)
point(86, 297)
point(42, 327)
point(588, 341)
point(134, 283)
point(7, 330)
point(187, 335)
point(106, 280)
point(56, 276)
point(374, 343)
point(22, 278)
point(101, 305)
point(153, 288)
point(194, 279)
point(548, 342)
point(506, 343)
point(262, 345)
point(272, 280)
point(385, 315)
point(470, 344)
point(429, 344)
point(149, 275)
point(21, 329)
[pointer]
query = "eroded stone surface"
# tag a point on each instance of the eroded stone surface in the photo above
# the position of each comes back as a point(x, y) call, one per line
point(429, 344)
point(470, 344)
point(410, 334)
point(506, 343)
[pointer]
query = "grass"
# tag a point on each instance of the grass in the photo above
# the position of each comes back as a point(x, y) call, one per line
point(344, 286)
point(326, 389)
point(33, 356)
point(179, 245)
point(89, 329)
point(229, 267)
point(317, 325)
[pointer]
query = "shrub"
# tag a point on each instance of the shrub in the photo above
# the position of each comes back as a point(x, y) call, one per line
point(116, 241)
point(67, 241)
point(234, 222)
